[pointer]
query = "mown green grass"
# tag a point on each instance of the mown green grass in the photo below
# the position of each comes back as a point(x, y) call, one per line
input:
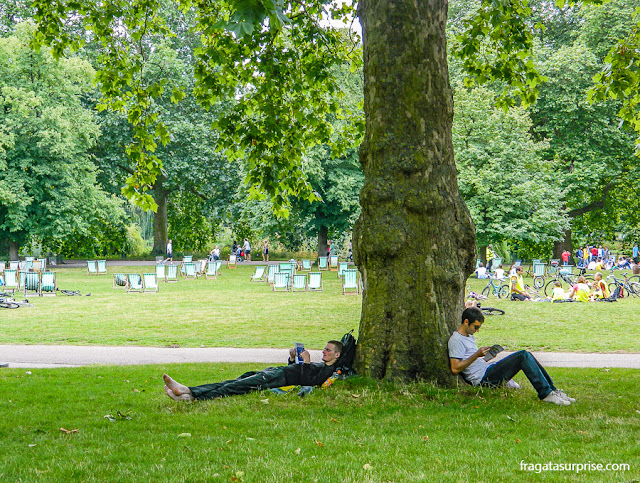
point(356, 431)
point(233, 312)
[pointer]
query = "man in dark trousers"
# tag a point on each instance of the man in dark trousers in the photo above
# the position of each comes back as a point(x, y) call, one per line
point(305, 374)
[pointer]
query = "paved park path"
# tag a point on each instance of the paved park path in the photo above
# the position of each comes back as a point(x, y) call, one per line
point(43, 356)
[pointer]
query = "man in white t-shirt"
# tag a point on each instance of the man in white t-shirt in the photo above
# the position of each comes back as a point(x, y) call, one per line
point(481, 271)
point(466, 359)
point(247, 250)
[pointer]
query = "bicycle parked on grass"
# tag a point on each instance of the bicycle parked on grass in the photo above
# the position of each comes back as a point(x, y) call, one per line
point(626, 284)
point(563, 277)
point(10, 303)
point(485, 310)
point(496, 288)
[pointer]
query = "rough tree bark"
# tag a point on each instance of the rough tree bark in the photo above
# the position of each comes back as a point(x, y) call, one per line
point(160, 238)
point(414, 242)
point(323, 233)
point(14, 248)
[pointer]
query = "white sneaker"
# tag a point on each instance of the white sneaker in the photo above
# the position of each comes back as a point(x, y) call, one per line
point(563, 395)
point(556, 399)
point(512, 384)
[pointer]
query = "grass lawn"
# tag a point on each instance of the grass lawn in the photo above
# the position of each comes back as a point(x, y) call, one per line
point(356, 431)
point(234, 312)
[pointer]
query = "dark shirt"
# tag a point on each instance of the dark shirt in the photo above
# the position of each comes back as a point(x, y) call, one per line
point(312, 374)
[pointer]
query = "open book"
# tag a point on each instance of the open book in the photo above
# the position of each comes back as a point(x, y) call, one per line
point(493, 351)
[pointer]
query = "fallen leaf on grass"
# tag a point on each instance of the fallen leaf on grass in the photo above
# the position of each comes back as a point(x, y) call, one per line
point(297, 451)
point(69, 431)
point(229, 441)
point(184, 435)
point(251, 439)
point(31, 445)
point(355, 395)
point(425, 438)
point(581, 432)
point(264, 401)
point(319, 444)
point(366, 466)
point(334, 420)
point(518, 441)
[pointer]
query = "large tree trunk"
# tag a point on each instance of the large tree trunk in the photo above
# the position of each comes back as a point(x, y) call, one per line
point(323, 233)
point(160, 237)
point(414, 242)
point(562, 245)
point(14, 248)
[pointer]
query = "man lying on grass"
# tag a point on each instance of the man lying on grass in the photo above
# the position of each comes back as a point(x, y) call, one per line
point(305, 374)
point(466, 358)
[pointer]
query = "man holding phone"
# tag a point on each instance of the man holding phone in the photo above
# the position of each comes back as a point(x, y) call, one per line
point(305, 374)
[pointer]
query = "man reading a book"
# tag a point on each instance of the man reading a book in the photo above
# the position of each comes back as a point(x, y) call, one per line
point(469, 361)
point(305, 374)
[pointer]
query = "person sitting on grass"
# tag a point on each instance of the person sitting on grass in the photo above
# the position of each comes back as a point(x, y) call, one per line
point(518, 290)
point(305, 374)
point(580, 291)
point(558, 292)
point(466, 359)
point(599, 287)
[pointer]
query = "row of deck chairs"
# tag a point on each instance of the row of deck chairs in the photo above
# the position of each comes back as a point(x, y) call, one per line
point(134, 282)
point(26, 265)
point(283, 277)
point(97, 267)
point(32, 283)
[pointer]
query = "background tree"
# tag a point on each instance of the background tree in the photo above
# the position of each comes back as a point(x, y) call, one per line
point(48, 190)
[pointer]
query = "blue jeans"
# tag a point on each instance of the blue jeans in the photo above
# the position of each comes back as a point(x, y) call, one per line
point(520, 361)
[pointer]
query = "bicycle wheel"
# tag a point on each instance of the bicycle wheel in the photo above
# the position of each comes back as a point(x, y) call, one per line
point(634, 288)
point(485, 291)
point(548, 288)
point(9, 305)
point(538, 282)
point(504, 291)
point(612, 287)
point(491, 311)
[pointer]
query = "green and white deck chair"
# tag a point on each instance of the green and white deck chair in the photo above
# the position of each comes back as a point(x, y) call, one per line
point(31, 283)
point(119, 280)
point(285, 266)
point(22, 275)
point(315, 281)
point(299, 283)
point(190, 270)
point(29, 259)
point(28, 264)
point(10, 281)
point(212, 270)
point(342, 266)
point(150, 282)
point(496, 263)
point(48, 284)
point(14, 265)
point(160, 271)
point(333, 262)
point(258, 274)
point(538, 270)
point(281, 281)
point(134, 282)
point(233, 261)
point(37, 266)
point(306, 265)
point(102, 267)
point(92, 267)
point(218, 265)
point(171, 273)
point(187, 259)
point(271, 274)
point(323, 263)
point(350, 283)
point(201, 266)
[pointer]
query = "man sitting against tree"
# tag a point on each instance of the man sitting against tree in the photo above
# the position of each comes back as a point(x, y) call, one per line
point(518, 290)
point(305, 374)
point(466, 359)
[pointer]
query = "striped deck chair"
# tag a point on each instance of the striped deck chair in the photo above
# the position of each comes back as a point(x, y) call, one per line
point(315, 281)
point(306, 265)
point(29, 259)
point(342, 266)
point(171, 273)
point(31, 283)
point(119, 280)
point(299, 283)
point(92, 267)
point(28, 263)
point(286, 266)
point(322, 263)
point(48, 284)
point(102, 267)
point(201, 266)
point(212, 270)
point(258, 274)
point(281, 281)
point(150, 282)
point(189, 270)
point(350, 283)
point(233, 262)
point(218, 265)
point(14, 265)
point(333, 262)
point(10, 281)
point(43, 263)
point(271, 274)
point(187, 258)
point(134, 282)
point(21, 277)
point(160, 271)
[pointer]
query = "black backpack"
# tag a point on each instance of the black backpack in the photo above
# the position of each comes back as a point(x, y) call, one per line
point(347, 356)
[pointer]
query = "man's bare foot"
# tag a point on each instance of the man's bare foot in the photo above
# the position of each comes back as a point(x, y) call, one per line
point(176, 388)
point(172, 395)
